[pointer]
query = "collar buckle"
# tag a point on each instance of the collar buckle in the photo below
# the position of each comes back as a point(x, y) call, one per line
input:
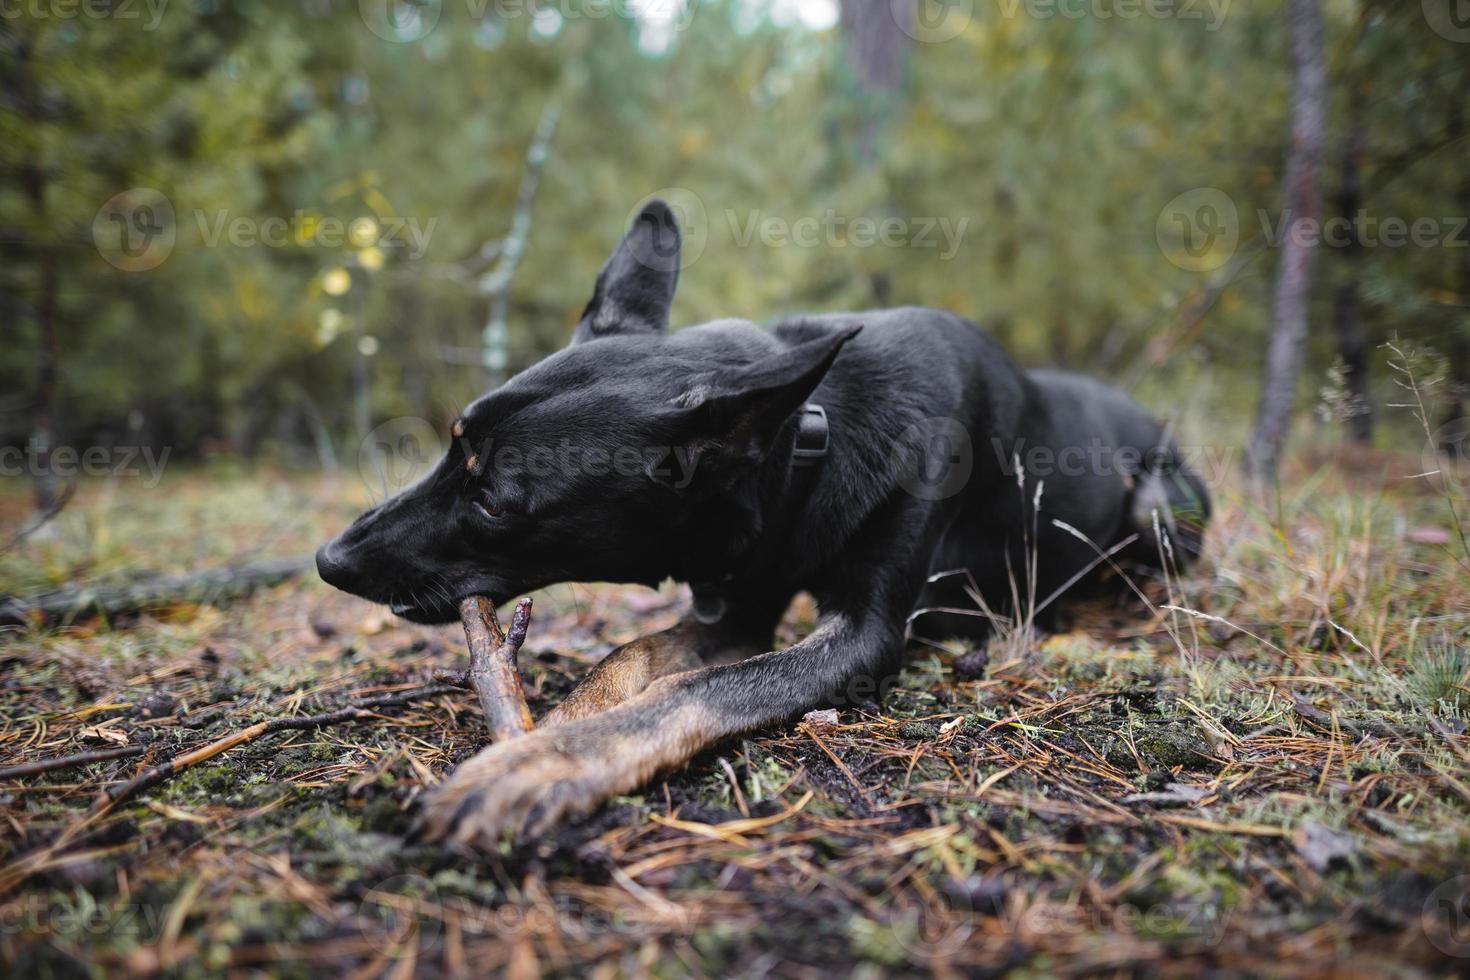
point(812, 436)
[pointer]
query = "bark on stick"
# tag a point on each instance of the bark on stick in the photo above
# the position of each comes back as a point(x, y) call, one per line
point(493, 672)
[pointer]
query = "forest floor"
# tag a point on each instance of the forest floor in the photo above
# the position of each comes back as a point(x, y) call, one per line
point(1275, 781)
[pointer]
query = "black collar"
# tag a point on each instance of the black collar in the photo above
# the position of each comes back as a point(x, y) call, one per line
point(813, 439)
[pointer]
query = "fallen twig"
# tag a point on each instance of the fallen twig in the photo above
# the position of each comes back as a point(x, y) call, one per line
point(203, 587)
point(69, 761)
point(154, 775)
point(42, 518)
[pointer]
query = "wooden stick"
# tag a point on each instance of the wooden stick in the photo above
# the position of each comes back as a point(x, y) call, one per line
point(492, 671)
point(68, 761)
point(208, 587)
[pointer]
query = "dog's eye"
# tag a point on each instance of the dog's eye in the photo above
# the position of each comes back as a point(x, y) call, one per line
point(488, 508)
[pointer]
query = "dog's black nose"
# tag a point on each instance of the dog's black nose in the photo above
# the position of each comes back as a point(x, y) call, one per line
point(333, 569)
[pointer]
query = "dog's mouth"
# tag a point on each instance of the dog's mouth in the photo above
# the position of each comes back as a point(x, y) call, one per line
point(425, 615)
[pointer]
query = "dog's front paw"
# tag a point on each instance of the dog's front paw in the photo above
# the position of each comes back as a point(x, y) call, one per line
point(524, 787)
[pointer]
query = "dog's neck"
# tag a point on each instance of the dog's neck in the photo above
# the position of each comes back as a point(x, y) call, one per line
point(791, 472)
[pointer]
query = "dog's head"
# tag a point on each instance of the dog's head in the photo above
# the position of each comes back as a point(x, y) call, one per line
point(630, 456)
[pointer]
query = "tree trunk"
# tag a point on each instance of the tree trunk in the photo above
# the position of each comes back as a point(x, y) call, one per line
point(875, 45)
point(362, 369)
point(1347, 321)
point(495, 283)
point(43, 417)
point(1293, 289)
point(1452, 443)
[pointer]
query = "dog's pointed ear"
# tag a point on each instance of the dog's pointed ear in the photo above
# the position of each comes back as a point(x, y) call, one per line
point(636, 287)
point(735, 417)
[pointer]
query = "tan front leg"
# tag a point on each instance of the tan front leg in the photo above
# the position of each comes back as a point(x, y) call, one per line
point(627, 671)
point(528, 784)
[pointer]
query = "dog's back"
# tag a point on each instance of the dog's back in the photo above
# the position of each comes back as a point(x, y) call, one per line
point(1059, 475)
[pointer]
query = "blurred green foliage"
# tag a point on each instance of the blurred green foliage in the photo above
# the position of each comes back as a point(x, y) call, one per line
point(1049, 145)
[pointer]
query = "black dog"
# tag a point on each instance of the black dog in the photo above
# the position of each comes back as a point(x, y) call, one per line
point(859, 458)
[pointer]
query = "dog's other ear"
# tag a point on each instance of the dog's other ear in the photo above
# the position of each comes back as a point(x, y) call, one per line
point(737, 415)
point(636, 287)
